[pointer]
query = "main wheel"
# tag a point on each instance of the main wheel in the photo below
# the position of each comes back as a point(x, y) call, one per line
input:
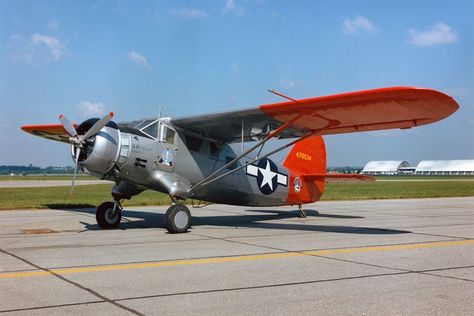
point(177, 219)
point(106, 216)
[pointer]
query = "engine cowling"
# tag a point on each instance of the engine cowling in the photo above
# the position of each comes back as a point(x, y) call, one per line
point(100, 152)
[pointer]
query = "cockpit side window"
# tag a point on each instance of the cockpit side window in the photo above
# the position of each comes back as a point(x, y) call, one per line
point(167, 135)
point(193, 143)
point(170, 136)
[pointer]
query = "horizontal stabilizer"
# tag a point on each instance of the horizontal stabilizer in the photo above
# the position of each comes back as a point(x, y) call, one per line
point(338, 177)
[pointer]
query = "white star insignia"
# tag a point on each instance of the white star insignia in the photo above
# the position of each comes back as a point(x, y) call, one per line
point(268, 176)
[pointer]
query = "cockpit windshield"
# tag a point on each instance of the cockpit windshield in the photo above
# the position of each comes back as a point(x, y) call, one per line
point(139, 124)
point(151, 129)
point(145, 127)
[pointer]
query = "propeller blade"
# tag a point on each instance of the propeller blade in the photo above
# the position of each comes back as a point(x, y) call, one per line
point(98, 126)
point(78, 152)
point(67, 125)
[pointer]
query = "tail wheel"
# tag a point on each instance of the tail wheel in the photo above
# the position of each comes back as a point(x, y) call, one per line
point(177, 219)
point(107, 217)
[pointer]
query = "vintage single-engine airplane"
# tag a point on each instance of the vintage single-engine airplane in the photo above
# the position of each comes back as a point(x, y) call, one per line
point(192, 157)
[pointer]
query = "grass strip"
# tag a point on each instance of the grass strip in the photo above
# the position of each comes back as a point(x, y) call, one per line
point(93, 195)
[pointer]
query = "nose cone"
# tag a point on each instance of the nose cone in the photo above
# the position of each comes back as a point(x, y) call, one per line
point(102, 153)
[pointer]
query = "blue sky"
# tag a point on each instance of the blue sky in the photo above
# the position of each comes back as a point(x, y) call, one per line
point(85, 58)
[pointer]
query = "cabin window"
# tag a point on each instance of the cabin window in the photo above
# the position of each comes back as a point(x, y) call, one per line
point(151, 130)
point(193, 143)
point(213, 149)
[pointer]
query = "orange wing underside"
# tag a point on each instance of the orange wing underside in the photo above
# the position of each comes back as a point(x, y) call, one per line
point(49, 131)
point(386, 108)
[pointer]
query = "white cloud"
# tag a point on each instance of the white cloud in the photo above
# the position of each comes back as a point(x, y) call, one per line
point(138, 59)
point(53, 25)
point(16, 37)
point(53, 47)
point(289, 84)
point(90, 109)
point(439, 33)
point(234, 9)
point(235, 67)
point(359, 24)
point(190, 13)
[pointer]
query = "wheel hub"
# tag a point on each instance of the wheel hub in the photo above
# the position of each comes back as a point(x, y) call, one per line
point(181, 219)
point(111, 216)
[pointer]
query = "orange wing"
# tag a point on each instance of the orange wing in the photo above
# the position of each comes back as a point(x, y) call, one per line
point(386, 108)
point(368, 110)
point(49, 131)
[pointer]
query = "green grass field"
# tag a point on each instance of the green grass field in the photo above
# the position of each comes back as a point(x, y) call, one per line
point(45, 177)
point(93, 195)
point(397, 190)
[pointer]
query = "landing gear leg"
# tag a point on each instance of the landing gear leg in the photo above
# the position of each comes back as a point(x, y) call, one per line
point(302, 213)
point(109, 214)
point(177, 219)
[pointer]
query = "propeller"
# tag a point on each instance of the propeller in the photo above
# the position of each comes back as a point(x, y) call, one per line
point(78, 141)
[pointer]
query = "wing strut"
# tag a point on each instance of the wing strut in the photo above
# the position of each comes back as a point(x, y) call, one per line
point(214, 176)
point(243, 154)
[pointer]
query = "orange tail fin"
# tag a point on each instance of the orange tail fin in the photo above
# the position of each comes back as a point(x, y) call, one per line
point(307, 157)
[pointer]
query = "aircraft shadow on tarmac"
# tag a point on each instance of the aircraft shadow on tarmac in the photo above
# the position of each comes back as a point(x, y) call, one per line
point(132, 219)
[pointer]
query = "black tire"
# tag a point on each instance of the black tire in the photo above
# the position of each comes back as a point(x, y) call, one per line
point(104, 218)
point(177, 219)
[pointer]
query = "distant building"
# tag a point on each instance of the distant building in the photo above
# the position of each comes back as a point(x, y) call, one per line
point(388, 167)
point(445, 167)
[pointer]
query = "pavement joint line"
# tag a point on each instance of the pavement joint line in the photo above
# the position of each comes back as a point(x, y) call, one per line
point(49, 306)
point(436, 226)
point(216, 260)
point(100, 245)
point(320, 256)
point(281, 250)
point(422, 272)
point(331, 258)
point(446, 277)
point(84, 288)
point(446, 236)
point(127, 263)
point(220, 290)
point(265, 286)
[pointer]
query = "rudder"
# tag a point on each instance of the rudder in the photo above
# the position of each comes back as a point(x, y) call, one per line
point(306, 157)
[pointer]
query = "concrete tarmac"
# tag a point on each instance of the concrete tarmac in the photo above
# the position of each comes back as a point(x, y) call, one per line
point(390, 257)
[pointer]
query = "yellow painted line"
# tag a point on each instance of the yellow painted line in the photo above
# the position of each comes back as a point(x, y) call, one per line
point(391, 247)
point(174, 263)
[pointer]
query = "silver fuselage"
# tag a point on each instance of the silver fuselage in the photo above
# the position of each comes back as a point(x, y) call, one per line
point(172, 161)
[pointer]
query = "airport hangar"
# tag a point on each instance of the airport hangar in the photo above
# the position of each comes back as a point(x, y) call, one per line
point(425, 167)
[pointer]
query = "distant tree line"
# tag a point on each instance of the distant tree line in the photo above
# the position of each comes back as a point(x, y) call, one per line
point(26, 170)
point(346, 169)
